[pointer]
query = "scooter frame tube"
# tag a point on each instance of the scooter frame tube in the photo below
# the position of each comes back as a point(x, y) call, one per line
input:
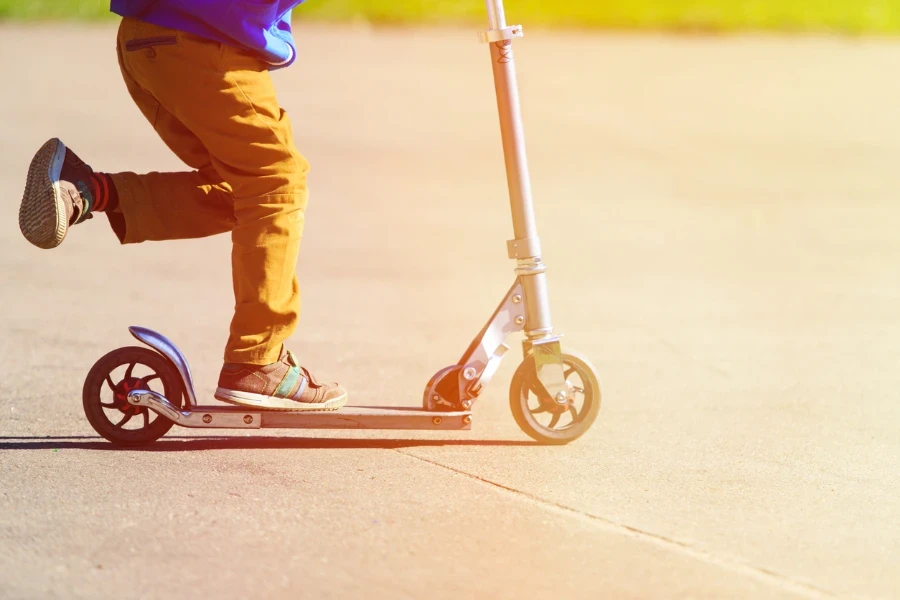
point(525, 248)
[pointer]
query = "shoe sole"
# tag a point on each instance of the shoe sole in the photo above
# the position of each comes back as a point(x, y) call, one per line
point(42, 215)
point(251, 400)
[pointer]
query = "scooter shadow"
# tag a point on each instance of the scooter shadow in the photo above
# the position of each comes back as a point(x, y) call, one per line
point(193, 444)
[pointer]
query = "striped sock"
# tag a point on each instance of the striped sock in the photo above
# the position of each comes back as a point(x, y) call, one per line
point(106, 198)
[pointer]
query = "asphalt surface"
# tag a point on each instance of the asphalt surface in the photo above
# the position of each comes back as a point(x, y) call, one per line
point(720, 220)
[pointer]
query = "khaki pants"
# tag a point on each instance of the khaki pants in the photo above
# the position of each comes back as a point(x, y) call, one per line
point(214, 106)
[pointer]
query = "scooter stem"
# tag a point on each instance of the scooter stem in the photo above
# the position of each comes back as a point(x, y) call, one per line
point(496, 18)
point(526, 247)
point(511, 127)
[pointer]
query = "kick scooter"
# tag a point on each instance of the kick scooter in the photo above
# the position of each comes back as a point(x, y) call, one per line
point(134, 395)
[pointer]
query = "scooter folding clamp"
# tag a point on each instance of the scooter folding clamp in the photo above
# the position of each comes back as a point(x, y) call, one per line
point(487, 350)
point(457, 386)
point(498, 35)
point(524, 248)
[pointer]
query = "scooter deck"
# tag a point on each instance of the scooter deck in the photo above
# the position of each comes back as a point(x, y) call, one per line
point(348, 417)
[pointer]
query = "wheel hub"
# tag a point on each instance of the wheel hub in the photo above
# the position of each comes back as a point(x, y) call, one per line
point(120, 393)
point(558, 405)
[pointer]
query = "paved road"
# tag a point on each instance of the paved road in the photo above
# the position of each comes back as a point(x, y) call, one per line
point(720, 218)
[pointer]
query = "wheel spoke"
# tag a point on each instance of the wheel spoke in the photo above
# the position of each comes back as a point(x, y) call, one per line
point(108, 404)
point(569, 372)
point(124, 420)
point(129, 371)
point(146, 412)
point(110, 383)
point(574, 414)
point(151, 377)
point(541, 409)
point(553, 421)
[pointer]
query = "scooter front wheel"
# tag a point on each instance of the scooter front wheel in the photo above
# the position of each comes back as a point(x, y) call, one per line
point(105, 395)
point(550, 421)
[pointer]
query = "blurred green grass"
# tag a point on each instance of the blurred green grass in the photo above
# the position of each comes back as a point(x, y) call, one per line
point(847, 16)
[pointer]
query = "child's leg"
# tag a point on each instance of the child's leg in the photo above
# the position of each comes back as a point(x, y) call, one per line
point(170, 206)
point(225, 99)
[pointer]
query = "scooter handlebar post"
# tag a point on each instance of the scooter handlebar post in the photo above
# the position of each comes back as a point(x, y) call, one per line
point(496, 16)
point(526, 246)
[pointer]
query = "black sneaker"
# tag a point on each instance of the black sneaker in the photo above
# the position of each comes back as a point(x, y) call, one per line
point(57, 195)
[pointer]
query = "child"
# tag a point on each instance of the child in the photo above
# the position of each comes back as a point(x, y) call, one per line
point(199, 72)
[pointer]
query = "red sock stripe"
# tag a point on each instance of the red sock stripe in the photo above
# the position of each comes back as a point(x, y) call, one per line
point(98, 193)
point(105, 181)
point(102, 189)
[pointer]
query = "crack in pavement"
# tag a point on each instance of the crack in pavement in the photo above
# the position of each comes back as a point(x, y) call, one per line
point(760, 573)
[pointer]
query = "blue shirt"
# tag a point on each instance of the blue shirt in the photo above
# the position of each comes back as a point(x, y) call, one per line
point(261, 26)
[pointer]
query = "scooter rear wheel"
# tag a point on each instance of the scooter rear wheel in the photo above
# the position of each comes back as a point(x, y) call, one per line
point(546, 420)
point(105, 395)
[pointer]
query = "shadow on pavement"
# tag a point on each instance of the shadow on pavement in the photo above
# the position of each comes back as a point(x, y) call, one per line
point(186, 444)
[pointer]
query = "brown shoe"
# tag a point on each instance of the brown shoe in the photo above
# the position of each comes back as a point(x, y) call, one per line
point(283, 385)
point(57, 195)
